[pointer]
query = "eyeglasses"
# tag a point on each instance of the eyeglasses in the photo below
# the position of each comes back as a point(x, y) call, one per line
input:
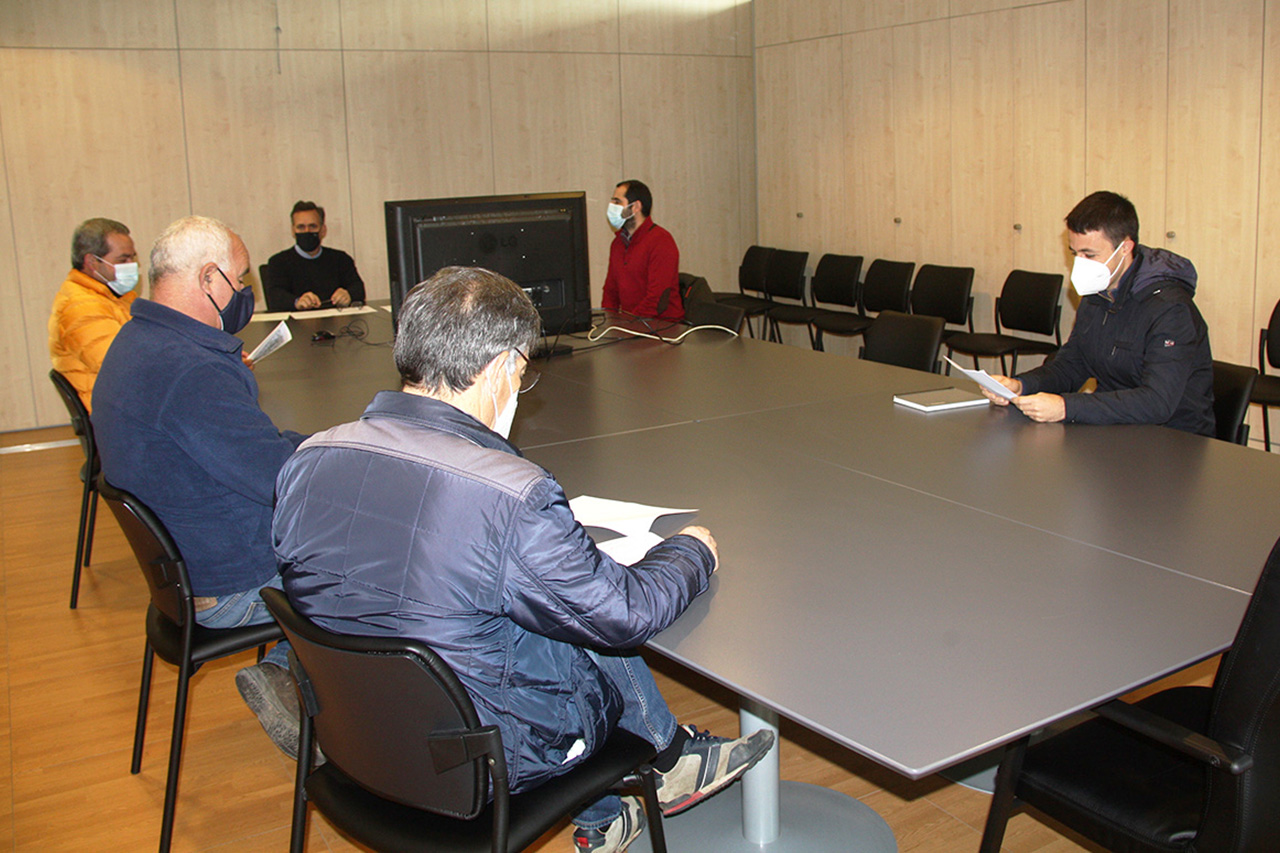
point(530, 377)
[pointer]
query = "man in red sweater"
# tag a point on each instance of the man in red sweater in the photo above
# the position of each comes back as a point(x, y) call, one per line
point(644, 263)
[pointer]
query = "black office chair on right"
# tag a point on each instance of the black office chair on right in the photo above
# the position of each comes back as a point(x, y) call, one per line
point(408, 765)
point(172, 631)
point(83, 429)
point(752, 273)
point(907, 340)
point(1266, 391)
point(887, 287)
point(1028, 302)
point(1232, 387)
point(1187, 769)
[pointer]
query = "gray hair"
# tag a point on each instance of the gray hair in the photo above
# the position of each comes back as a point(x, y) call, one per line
point(188, 244)
point(91, 239)
point(456, 322)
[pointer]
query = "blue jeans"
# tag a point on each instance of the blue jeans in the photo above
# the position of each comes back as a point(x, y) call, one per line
point(644, 713)
point(246, 608)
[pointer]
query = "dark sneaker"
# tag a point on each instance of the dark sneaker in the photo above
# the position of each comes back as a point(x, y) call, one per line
point(269, 692)
point(708, 764)
point(615, 837)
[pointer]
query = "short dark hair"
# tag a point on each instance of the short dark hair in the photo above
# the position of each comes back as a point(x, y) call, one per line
point(637, 191)
point(1108, 212)
point(91, 239)
point(304, 206)
point(456, 322)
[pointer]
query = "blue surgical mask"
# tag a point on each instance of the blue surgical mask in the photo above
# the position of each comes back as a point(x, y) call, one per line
point(616, 219)
point(126, 277)
point(235, 315)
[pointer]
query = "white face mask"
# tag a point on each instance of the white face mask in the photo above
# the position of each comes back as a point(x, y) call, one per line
point(126, 277)
point(1089, 276)
point(502, 426)
point(616, 219)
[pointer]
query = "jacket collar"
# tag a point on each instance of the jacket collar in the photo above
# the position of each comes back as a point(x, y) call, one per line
point(189, 327)
point(431, 413)
point(88, 282)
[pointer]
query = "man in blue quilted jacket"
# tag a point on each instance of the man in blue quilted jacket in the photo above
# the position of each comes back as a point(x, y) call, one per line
point(421, 520)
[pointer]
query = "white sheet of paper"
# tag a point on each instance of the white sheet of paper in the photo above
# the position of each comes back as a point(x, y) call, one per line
point(984, 379)
point(279, 336)
point(269, 317)
point(625, 517)
point(630, 549)
point(332, 312)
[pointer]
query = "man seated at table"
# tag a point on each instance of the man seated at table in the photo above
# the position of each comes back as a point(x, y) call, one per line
point(178, 424)
point(1138, 333)
point(421, 520)
point(307, 275)
point(644, 261)
point(93, 303)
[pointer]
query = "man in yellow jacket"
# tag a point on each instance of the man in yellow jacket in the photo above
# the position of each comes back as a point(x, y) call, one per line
point(94, 302)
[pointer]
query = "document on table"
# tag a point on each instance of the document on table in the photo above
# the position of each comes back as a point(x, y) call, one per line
point(279, 336)
point(984, 379)
point(273, 316)
point(631, 520)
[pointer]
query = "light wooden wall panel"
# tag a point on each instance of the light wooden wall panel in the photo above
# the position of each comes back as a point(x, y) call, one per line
point(692, 166)
point(870, 204)
point(922, 142)
point(553, 25)
point(1215, 93)
point(1127, 102)
point(699, 27)
point(427, 136)
point(975, 7)
point(801, 147)
point(783, 21)
point(282, 134)
point(1267, 291)
point(252, 24)
point(17, 395)
point(414, 25)
point(133, 24)
point(873, 14)
point(136, 173)
point(982, 110)
point(581, 149)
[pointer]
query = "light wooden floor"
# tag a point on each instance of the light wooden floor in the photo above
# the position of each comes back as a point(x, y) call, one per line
point(68, 693)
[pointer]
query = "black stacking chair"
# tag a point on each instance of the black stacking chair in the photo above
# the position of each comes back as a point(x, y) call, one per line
point(887, 287)
point(1188, 769)
point(408, 764)
point(907, 340)
point(1232, 387)
point(83, 429)
point(1028, 302)
point(944, 292)
point(701, 307)
point(785, 280)
point(834, 282)
point(1266, 391)
point(172, 632)
point(751, 280)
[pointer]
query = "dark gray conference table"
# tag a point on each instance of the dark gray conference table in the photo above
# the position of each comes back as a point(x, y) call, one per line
point(920, 588)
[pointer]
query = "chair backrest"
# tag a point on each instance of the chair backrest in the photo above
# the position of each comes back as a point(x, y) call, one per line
point(80, 423)
point(752, 270)
point(1232, 387)
point(835, 281)
point(944, 292)
point(392, 715)
point(1272, 339)
point(1241, 813)
point(907, 340)
point(785, 274)
point(156, 552)
point(1029, 302)
point(687, 282)
point(887, 286)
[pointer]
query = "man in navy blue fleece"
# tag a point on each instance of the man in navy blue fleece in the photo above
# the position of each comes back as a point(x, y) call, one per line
point(421, 520)
point(178, 424)
point(1138, 333)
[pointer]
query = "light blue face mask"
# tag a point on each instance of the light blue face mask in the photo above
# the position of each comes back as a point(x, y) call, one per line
point(616, 219)
point(126, 277)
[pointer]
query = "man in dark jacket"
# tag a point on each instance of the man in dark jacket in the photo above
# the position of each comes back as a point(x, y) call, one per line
point(421, 520)
point(1138, 333)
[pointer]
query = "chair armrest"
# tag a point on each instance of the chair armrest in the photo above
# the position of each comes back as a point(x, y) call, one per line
point(1176, 736)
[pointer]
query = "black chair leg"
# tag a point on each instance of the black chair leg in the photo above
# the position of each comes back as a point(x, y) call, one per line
point(81, 536)
point(1002, 800)
point(88, 533)
point(1013, 363)
point(1266, 427)
point(144, 696)
point(817, 341)
point(652, 810)
point(298, 833)
point(175, 755)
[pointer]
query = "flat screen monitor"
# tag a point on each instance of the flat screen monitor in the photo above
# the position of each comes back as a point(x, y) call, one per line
point(538, 240)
